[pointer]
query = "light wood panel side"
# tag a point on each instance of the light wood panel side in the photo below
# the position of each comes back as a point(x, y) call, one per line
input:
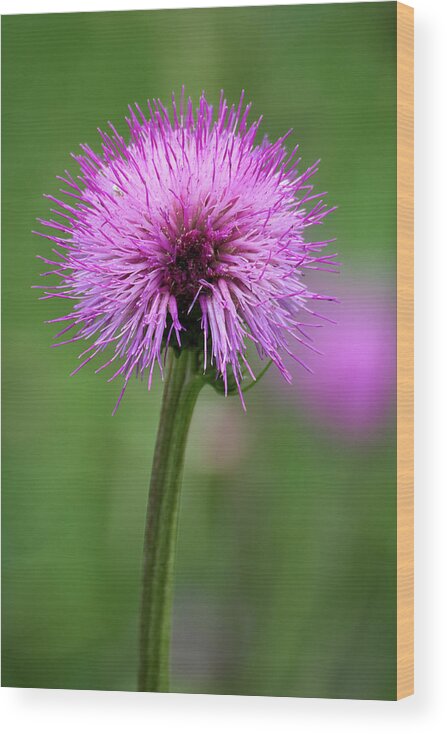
point(405, 241)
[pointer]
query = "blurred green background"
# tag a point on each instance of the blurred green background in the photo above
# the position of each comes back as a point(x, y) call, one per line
point(286, 567)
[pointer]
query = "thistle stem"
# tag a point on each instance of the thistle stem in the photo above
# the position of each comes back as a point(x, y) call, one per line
point(182, 385)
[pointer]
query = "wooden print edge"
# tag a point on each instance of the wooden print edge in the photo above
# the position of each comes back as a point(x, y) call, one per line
point(405, 352)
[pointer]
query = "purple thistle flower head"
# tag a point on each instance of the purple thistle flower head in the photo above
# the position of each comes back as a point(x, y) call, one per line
point(190, 234)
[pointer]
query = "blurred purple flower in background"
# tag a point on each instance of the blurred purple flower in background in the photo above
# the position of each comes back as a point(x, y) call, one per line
point(189, 234)
point(353, 382)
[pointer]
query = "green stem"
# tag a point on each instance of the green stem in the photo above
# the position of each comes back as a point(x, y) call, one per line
point(181, 388)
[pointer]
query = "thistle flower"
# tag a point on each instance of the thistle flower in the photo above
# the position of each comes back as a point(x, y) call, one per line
point(190, 234)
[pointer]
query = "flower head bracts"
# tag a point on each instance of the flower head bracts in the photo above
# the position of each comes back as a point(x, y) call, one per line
point(190, 234)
